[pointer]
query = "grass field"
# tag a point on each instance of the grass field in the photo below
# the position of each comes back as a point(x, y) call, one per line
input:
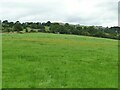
point(38, 60)
point(0, 61)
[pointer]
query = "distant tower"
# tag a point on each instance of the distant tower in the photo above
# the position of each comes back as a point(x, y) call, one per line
point(119, 13)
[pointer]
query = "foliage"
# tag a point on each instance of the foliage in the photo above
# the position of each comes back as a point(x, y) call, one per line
point(18, 26)
point(48, 27)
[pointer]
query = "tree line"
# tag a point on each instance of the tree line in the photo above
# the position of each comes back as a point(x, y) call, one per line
point(61, 28)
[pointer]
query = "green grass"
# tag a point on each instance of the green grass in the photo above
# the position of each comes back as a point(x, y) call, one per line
point(39, 60)
point(0, 61)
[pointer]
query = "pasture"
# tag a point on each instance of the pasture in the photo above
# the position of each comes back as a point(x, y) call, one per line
point(40, 60)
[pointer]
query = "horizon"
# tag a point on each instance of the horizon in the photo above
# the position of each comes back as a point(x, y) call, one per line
point(61, 23)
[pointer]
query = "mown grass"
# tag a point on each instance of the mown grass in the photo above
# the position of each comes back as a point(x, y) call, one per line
point(39, 60)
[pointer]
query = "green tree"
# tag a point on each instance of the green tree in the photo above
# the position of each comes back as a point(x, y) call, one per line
point(5, 25)
point(48, 23)
point(41, 28)
point(18, 27)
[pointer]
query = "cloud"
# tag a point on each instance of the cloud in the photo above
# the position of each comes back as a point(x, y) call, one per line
point(119, 14)
point(86, 12)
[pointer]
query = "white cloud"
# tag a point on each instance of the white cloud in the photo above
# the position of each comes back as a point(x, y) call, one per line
point(86, 12)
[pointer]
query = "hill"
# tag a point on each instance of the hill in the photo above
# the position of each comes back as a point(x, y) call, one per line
point(39, 60)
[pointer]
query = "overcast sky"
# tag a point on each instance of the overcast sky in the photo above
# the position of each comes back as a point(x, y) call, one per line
point(84, 12)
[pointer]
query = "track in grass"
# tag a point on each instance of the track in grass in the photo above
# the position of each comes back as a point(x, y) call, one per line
point(39, 60)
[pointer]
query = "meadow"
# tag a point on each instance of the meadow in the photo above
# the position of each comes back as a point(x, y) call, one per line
point(40, 60)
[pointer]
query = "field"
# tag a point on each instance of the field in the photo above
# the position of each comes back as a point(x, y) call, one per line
point(0, 61)
point(39, 60)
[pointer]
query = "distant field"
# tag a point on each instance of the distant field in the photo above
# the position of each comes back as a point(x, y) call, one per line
point(38, 60)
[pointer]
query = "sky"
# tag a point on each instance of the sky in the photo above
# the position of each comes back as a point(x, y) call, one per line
point(119, 14)
point(83, 12)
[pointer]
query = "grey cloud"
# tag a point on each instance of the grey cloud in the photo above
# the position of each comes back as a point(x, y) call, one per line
point(104, 11)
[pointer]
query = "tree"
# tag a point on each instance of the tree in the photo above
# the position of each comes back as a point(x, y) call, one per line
point(18, 27)
point(67, 28)
point(80, 30)
point(72, 29)
point(48, 23)
point(54, 28)
point(41, 28)
point(26, 30)
point(5, 25)
point(43, 23)
point(24, 25)
point(91, 30)
point(33, 26)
